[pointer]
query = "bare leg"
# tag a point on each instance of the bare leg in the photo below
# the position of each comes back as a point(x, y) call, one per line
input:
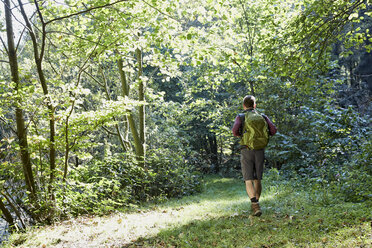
point(253, 188)
point(249, 187)
point(258, 188)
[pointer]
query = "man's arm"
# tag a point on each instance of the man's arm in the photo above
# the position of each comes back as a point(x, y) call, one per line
point(272, 127)
point(236, 126)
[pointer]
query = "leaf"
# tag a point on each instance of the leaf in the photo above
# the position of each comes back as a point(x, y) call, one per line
point(353, 16)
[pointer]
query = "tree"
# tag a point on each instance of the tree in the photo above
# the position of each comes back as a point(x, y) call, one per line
point(113, 80)
point(21, 129)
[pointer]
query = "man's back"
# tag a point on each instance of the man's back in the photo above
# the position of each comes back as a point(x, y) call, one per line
point(255, 131)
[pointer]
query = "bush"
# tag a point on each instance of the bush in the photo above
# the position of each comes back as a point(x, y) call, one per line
point(331, 151)
point(355, 176)
point(117, 182)
point(172, 177)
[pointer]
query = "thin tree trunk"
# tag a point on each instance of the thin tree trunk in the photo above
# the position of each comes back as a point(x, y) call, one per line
point(251, 84)
point(123, 142)
point(125, 91)
point(141, 97)
point(16, 211)
point(221, 150)
point(122, 138)
point(212, 140)
point(38, 61)
point(52, 152)
point(123, 79)
point(7, 215)
point(21, 130)
point(250, 37)
point(67, 146)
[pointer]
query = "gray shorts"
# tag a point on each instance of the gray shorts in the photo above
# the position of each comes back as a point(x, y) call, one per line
point(252, 162)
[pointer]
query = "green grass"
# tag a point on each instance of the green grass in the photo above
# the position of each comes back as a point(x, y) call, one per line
point(219, 217)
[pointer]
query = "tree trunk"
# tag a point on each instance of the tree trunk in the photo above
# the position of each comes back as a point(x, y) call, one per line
point(123, 141)
point(16, 211)
point(21, 130)
point(250, 35)
point(38, 61)
point(125, 91)
point(141, 97)
point(251, 84)
point(7, 215)
point(214, 151)
point(67, 146)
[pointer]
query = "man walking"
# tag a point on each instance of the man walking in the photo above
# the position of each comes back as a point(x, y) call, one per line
point(254, 130)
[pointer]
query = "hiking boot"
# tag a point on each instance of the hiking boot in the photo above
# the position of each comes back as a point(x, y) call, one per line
point(256, 209)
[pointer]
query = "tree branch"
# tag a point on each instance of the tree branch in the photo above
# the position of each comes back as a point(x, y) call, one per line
point(94, 79)
point(76, 36)
point(339, 17)
point(10, 202)
point(83, 11)
point(109, 131)
point(43, 33)
point(153, 72)
point(14, 16)
point(6, 49)
point(24, 28)
point(161, 12)
point(3, 120)
point(67, 151)
point(20, 38)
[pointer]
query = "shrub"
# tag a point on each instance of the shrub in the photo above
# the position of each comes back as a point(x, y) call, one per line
point(117, 182)
point(335, 153)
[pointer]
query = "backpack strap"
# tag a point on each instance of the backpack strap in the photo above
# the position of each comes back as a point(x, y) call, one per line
point(242, 119)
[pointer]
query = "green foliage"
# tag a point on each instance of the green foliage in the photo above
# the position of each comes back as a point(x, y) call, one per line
point(335, 156)
point(290, 219)
point(172, 176)
point(117, 182)
point(220, 216)
point(199, 60)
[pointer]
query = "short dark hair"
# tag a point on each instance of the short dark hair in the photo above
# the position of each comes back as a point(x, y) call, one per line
point(249, 101)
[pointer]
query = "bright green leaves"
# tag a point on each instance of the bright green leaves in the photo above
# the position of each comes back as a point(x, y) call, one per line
point(308, 35)
point(353, 16)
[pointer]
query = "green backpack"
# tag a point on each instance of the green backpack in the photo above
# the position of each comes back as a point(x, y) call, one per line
point(255, 131)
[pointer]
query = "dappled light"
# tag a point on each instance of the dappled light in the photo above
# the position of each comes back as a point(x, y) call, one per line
point(181, 123)
point(224, 219)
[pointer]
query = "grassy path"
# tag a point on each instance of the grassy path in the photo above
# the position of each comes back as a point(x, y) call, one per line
point(218, 217)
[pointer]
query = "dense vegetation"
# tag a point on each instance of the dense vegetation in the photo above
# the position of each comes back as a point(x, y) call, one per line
point(108, 104)
point(217, 217)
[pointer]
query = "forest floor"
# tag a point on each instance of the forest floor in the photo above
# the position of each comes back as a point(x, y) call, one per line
point(218, 217)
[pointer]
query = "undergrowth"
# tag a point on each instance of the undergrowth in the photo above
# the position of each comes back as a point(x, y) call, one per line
point(220, 217)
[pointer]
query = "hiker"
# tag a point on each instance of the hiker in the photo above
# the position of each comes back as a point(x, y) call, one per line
point(253, 130)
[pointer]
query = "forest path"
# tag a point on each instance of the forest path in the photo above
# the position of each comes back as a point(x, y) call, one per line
point(218, 217)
